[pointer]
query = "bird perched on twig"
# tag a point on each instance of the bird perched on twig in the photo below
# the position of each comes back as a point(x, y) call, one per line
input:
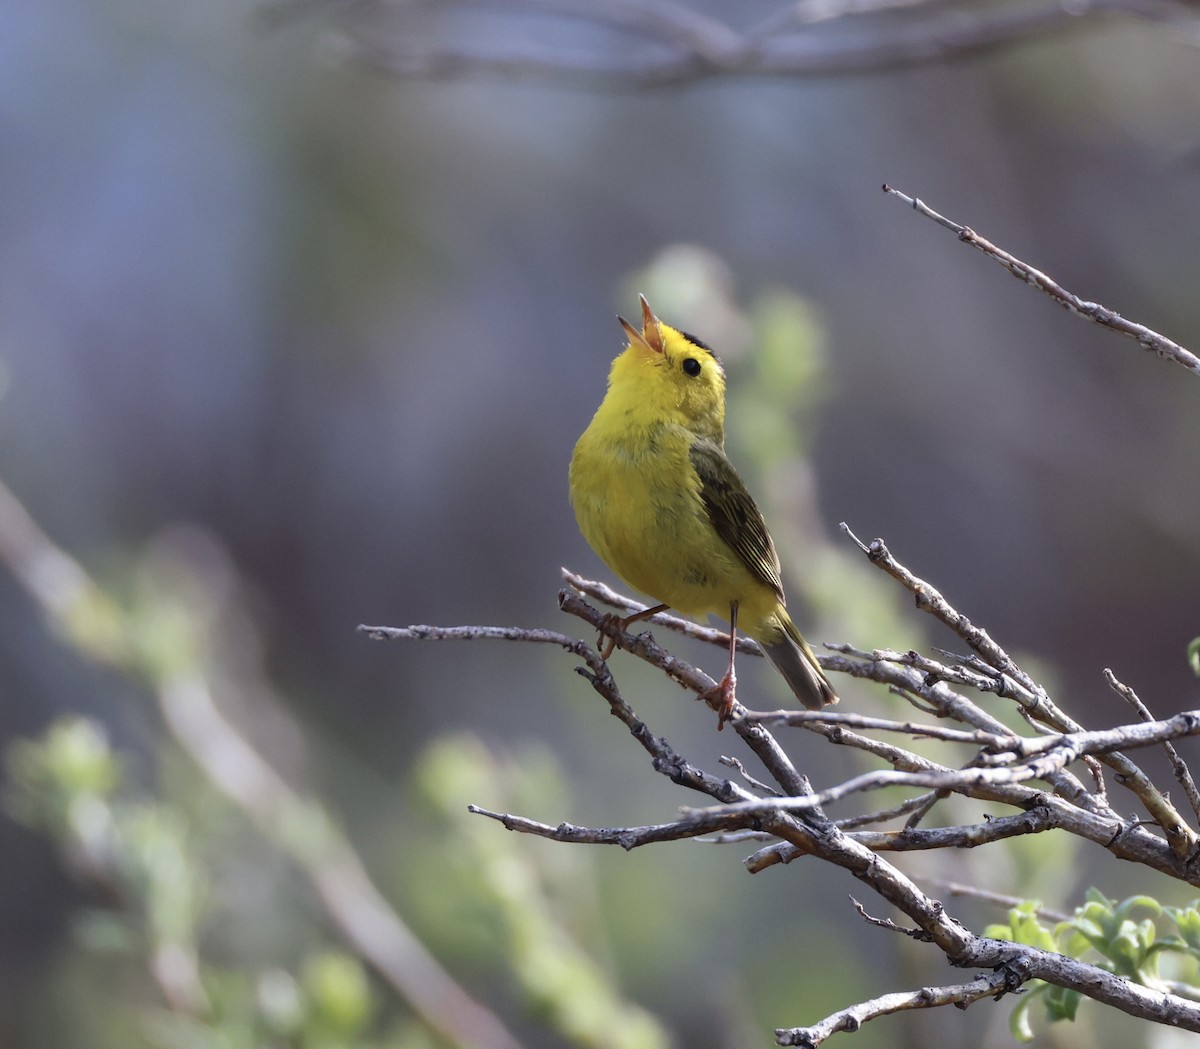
point(658, 500)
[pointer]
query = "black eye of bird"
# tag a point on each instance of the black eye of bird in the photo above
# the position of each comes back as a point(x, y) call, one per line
point(691, 366)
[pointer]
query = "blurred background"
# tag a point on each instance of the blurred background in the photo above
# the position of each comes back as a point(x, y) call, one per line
point(340, 327)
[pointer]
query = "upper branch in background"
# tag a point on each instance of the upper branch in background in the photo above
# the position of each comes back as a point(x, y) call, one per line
point(661, 43)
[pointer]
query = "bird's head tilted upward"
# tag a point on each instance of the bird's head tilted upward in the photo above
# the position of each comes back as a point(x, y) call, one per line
point(669, 376)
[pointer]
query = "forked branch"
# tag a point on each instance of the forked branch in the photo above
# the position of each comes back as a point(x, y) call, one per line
point(1031, 773)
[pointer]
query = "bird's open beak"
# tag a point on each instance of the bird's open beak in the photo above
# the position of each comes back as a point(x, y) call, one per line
point(650, 336)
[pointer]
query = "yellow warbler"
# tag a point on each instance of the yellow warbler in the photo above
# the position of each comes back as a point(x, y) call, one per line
point(664, 508)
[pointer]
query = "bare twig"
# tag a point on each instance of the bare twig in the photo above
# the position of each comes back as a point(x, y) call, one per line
point(929, 599)
point(755, 783)
point(717, 822)
point(991, 985)
point(609, 596)
point(955, 888)
point(1039, 766)
point(865, 722)
point(1178, 765)
point(1093, 311)
point(884, 923)
point(1034, 821)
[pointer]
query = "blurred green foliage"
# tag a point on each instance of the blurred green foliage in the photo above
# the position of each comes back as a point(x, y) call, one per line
point(540, 915)
point(152, 866)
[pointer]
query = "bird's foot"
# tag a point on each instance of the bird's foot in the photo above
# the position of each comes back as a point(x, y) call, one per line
point(723, 697)
point(609, 623)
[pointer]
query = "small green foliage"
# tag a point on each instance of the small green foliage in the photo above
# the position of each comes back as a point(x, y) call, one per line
point(335, 985)
point(1104, 933)
point(63, 782)
point(1023, 926)
point(1193, 654)
point(154, 863)
point(1127, 946)
point(537, 915)
point(1187, 921)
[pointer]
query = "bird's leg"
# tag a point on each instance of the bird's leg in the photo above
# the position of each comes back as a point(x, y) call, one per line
point(725, 692)
point(611, 622)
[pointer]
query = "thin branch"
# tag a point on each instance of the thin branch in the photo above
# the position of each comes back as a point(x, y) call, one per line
point(717, 822)
point(929, 599)
point(1034, 821)
point(905, 808)
point(782, 853)
point(1099, 741)
point(1093, 311)
point(534, 635)
point(970, 836)
point(67, 594)
point(355, 906)
point(991, 985)
point(1178, 765)
point(755, 784)
point(970, 672)
point(1068, 749)
point(916, 729)
point(955, 888)
point(606, 594)
point(885, 923)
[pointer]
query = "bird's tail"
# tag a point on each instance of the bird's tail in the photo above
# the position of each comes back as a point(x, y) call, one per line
point(795, 661)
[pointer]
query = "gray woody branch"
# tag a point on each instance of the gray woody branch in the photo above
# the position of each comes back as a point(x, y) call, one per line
point(1005, 767)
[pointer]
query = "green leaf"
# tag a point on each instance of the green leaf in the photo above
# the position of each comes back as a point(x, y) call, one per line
point(1187, 921)
point(1018, 1020)
point(1061, 1002)
point(1193, 655)
point(1024, 926)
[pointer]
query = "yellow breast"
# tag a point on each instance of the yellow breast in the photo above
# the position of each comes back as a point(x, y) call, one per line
point(637, 500)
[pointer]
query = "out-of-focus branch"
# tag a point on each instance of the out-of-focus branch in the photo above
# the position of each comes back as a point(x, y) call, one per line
point(668, 44)
point(354, 905)
point(90, 621)
point(1000, 899)
point(1093, 311)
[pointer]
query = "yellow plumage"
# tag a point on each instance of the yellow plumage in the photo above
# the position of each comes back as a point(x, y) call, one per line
point(660, 503)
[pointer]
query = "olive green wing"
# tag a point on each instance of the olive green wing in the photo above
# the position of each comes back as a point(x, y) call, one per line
point(733, 513)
